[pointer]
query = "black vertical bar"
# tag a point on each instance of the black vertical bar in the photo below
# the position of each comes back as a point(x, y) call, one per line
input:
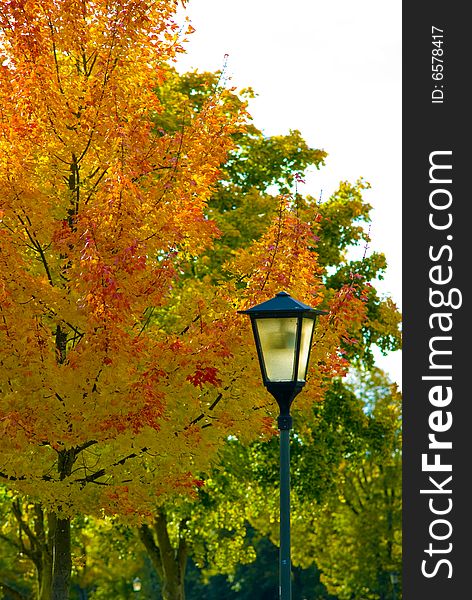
point(436, 250)
point(298, 340)
point(284, 556)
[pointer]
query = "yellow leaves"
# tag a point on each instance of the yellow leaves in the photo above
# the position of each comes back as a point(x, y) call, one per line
point(284, 258)
point(102, 348)
point(97, 215)
point(388, 317)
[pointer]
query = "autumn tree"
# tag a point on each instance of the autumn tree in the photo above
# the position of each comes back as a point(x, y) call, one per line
point(245, 203)
point(245, 200)
point(96, 215)
point(115, 389)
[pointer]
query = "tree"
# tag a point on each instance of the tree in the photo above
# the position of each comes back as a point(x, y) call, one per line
point(17, 577)
point(96, 215)
point(244, 204)
point(115, 389)
point(354, 534)
point(33, 539)
point(107, 556)
point(259, 576)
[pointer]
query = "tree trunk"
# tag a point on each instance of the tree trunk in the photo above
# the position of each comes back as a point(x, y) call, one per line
point(45, 576)
point(62, 560)
point(44, 552)
point(61, 550)
point(170, 563)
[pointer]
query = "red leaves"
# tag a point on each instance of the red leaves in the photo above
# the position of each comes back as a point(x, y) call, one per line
point(149, 415)
point(204, 375)
point(120, 499)
point(187, 482)
point(144, 405)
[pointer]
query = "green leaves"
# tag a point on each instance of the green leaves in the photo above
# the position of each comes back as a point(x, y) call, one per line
point(263, 161)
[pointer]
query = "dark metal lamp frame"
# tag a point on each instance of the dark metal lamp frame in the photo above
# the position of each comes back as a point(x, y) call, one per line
point(283, 306)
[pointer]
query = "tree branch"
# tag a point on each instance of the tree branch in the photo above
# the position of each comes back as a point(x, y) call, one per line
point(102, 472)
point(146, 537)
point(23, 525)
point(85, 445)
point(12, 593)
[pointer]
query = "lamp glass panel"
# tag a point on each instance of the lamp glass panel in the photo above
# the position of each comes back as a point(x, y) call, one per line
point(278, 338)
point(305, 344)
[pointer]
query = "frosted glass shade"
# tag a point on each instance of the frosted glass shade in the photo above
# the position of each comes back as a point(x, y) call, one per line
point(281, 340)
point(305, 347)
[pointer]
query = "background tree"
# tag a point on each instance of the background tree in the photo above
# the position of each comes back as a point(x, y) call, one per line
point(357, 540)
point(352, 441)
point(25, 529)
point(346, 489)
point(244, 204)
point(260, 168)
point(17, 572)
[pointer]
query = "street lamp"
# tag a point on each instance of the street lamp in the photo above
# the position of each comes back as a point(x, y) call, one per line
point(136, 584)
point(283, 332)
point(394, 580)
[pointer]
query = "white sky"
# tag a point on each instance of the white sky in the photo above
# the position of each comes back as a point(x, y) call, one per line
point(332, 70)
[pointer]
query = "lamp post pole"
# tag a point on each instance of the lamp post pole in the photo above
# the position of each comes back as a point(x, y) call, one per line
point(283, 332)
point(284, 395)
point(394, 580)
point(285, 583)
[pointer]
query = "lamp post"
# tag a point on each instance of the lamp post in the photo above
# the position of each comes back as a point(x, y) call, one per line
point(394, 580)
point(283, 332)
point(137, 585)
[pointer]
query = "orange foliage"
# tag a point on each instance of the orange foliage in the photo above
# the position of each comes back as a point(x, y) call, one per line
point(105, 358)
